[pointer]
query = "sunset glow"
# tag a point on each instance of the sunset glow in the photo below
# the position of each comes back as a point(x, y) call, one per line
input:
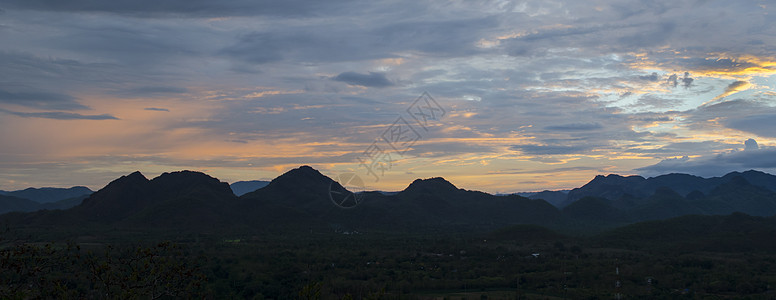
point(537, 94)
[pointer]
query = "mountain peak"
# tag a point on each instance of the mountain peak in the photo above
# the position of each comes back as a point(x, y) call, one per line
point(749, 172)
point(183, 174)
point(435, 184)
point(134, 176)
point(303, 174)
point(615, 179)
point(186, 179)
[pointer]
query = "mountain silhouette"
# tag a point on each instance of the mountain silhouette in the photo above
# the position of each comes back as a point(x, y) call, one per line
point(614, 187)
point(438, 202)
point(663, 204)
point(302, 188)
point(48, 194)
point(739, 195)
point(305, 199)
point(243, 187)
point(181, 199)
point(593, 213)
point(556, 198)
point(16, 204)
point(10, 203)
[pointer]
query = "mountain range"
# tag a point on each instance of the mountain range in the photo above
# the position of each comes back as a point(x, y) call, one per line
point(243, 187)
point(32, 199)
point(305, 199)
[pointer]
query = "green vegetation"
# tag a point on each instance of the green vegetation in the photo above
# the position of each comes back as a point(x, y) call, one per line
point(186, 235)
point(525, 262)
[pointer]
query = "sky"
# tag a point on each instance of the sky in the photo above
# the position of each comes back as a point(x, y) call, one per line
point(497, 96)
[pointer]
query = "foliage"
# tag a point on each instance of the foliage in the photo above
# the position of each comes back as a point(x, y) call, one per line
point(50, 270)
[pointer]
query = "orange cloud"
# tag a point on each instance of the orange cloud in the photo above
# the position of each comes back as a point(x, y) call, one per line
point(735, 87)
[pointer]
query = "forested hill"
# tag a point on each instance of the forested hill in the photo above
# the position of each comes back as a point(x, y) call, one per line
point(304, 199)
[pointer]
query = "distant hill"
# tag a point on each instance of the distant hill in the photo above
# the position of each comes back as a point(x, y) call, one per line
point(301, 196)
point(614, 187)
point(243, 187)
point(11, 204)
point(635, 199)
point(182, 199)
point(304, 199)
point(49, 195)
point(556, 198)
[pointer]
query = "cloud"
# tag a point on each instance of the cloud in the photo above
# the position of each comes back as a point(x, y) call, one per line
point(551, 149)
point(549, 171)
point(39, 99)
point(735, 87)
point(339, 41)
point(753, 116)
point(673, 80)
point(687, 80)
point(153, 90)
point(190, 8)
point(686, 148)
point(373, 79)
point(276, 72)
point(751, 157)
point(751, 145)
point(651, 77)
point(762, 124)
point(575, 127)
point(57, 115)
point(653, 102)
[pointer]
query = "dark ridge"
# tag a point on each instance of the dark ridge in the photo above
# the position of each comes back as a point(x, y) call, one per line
point(436, 184)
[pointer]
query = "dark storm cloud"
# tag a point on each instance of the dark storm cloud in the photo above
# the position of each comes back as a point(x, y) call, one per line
point(192, 8)
point(39, 99)
point(373, 79)
point(58, 115)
